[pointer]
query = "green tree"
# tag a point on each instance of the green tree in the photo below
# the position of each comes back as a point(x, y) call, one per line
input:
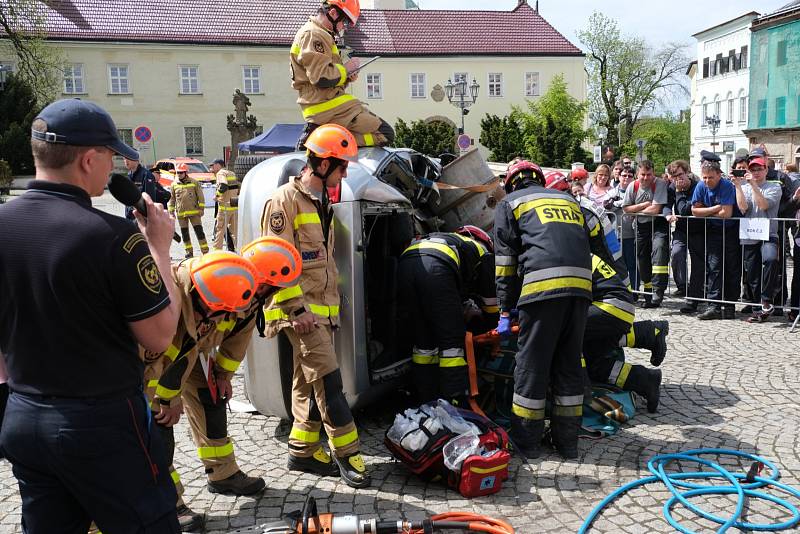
point(667, 139)
point(627, 77)
point(432, 138)
point(23, 24)
point(502, 136)
point(552, 126)
point(18, 108)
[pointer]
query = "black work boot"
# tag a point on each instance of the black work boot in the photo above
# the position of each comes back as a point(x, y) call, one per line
point(712, 313)
point(647, 383)
point(656, 300)
point(320, 463)
point(652, 335)
point(564, 433)
point(189, 520)
point(526, 435)
point(353, 471)
point(237, 484)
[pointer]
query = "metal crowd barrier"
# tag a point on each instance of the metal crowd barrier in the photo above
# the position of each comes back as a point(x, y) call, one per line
point(788, 254)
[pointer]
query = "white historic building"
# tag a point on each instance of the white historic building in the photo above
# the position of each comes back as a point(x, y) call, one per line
point(720, 90)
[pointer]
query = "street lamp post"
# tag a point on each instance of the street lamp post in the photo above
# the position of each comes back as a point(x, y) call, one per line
point(713, 123)
point(458, 90)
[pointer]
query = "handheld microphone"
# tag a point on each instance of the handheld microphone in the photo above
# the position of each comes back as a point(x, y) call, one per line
point(125, 191)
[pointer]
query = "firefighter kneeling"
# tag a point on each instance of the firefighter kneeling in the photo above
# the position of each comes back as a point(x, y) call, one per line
point(307, 312)
point(543, 268)
point(222, 293)
point(610, 325)
point(436, 275)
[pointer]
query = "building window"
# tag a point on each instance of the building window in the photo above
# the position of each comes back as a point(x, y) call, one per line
point(780, 111)
point(495, 84)
point(743, 59)
point(118, 81)
point(704, 118)
point(73, 79)
point(705, 68)
point(193, 136)
point(781, 53)
point(531, 84)
point(418, 85)
point(190, 84)
point(732, 61)
point(374, 86)
point(251, 80)
point(729, 116)
point(742, 109)
point(459, 89)
point(762, 113)
point(126, 134)
point(716, 109)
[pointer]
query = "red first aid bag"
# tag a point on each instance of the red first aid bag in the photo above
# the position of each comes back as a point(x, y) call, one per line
point(480, 474)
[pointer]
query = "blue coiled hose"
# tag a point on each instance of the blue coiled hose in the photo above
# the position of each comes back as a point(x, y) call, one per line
point(673, 481)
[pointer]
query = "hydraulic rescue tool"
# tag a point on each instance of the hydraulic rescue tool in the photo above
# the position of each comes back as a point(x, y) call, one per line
point(308, 521)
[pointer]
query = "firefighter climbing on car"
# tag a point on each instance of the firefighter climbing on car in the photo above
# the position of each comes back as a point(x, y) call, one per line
point(320, 77)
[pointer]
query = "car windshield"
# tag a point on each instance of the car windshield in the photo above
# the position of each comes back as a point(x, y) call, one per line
point(198, 167)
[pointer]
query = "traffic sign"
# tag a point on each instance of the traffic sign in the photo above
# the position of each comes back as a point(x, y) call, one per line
point(464, 142)
point(143, 134)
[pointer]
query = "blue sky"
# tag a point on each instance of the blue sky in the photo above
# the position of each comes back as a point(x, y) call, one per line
point(658, 22)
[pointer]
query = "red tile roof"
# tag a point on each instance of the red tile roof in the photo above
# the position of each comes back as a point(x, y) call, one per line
point(520, 32)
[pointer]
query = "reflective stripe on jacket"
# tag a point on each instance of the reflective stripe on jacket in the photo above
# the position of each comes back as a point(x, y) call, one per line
point(318, 74)
point(187, 198)
point(227, 190)
point(295, 214)
point(610, 293)
point(225, 334)
point(541, 248)
point(471, 261)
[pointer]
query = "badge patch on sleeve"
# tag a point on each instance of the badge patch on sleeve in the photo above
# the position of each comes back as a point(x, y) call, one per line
point(277, 222)
point(149, 275)
point(319, 47)
point(132, 241)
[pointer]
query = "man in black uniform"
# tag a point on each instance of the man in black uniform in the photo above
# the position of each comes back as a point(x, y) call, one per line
point(436, 275)
point(609, 325)
point(146, 182)
point(80, 288)
point(543, 268)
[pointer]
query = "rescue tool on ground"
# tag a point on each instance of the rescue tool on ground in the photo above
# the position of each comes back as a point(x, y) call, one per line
point(308, 521)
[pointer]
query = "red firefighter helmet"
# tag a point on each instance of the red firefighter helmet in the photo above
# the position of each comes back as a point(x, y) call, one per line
point(181, 167)
point(556, 180)
point(579, 174)
point(278, 262)
point(350, 8)
point(518, 169)
point(224, 281)
point(477, 234)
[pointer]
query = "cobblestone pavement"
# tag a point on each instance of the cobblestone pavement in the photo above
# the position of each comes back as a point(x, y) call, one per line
point(726, 384)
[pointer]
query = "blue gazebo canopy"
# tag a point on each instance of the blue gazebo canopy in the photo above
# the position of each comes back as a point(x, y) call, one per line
point(280, 138)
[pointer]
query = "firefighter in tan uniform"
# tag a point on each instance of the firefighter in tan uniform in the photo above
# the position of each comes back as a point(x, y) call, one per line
point(320, 78)
point(187, 204)
point(194, 374)
point(227, 206)
point(308, 311)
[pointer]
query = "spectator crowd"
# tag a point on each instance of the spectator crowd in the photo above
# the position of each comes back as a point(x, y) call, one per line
point(724, 235)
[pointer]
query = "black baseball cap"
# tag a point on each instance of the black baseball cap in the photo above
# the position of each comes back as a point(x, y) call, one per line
point(705, 155)
point(80, 123)
point(218, 161)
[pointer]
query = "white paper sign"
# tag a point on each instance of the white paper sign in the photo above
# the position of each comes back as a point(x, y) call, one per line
point(757, 229)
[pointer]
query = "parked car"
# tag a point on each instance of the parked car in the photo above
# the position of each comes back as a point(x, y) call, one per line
point(385, 185)
point(197, 170)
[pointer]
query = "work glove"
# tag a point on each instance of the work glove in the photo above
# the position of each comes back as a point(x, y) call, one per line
point(504, 326)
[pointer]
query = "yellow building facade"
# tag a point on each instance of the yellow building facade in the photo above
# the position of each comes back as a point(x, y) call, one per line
point(180, 85)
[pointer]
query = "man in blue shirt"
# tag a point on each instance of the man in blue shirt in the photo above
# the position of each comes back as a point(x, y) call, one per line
point(715, 198)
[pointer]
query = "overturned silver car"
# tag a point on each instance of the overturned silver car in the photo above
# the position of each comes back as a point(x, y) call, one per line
point(382, 187)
